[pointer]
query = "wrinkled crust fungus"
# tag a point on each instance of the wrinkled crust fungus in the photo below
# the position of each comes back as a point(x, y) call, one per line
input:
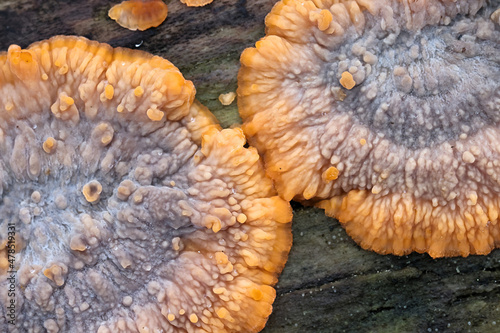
point(227, 98)
point(139, 14)
point(385, 114)
point(125, 223)
point(196, 3)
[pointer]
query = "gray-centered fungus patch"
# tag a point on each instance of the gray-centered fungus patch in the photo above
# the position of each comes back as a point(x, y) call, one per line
point(129, 210)
point(386, 114)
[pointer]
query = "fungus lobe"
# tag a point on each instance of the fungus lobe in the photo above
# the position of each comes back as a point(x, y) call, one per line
point(196, 3)
point(227, 98)
point(124, 207)
point(385, 114)
point(139, 14)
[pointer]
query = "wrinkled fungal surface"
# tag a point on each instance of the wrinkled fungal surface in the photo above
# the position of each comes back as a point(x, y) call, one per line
point(139, 14)
point(196, 3)
point(385, 114)
point(132, 210)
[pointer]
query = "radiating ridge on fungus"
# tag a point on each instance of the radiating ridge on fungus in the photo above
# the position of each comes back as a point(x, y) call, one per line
point(385, 114)
point(134, 211)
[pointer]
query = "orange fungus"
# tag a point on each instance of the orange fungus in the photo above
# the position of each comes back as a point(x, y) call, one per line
point(196, 3)
point(227, 98)
point(124, 206)
point(386, 114)
point(139, 14)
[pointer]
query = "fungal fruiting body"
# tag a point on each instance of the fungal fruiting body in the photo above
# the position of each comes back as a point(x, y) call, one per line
point(196, 3)
point(124, 207)
point(227, 98)
point(139, 14)
point(385, 114)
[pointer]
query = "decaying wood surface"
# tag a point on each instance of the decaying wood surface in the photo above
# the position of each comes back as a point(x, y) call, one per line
point(329, 283)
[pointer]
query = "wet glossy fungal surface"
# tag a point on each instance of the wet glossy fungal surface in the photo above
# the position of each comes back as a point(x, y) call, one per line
point(385, 114)
point(139, 14)
point(133, 211)
point(196, 3)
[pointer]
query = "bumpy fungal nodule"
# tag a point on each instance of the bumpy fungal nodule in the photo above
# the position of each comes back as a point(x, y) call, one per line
point(385, 114)
point(124, 207)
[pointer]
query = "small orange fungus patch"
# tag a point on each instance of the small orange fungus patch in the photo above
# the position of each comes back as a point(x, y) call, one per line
point(196, 3)
point(141, 182)
point(228, 98)
point(241, 218)
point(66, 102)
point(103, 133)
point(495, 16)
point(221, 258)
point(155, 114)
point(347, 80)
point(415, 144)
point(109, 91)
point(193, 318)
point(92, 191)
point(139, 91)
point(330, 174)
point(139, 14)
point(256, 294)
point(49, 145)
point(77, 244)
